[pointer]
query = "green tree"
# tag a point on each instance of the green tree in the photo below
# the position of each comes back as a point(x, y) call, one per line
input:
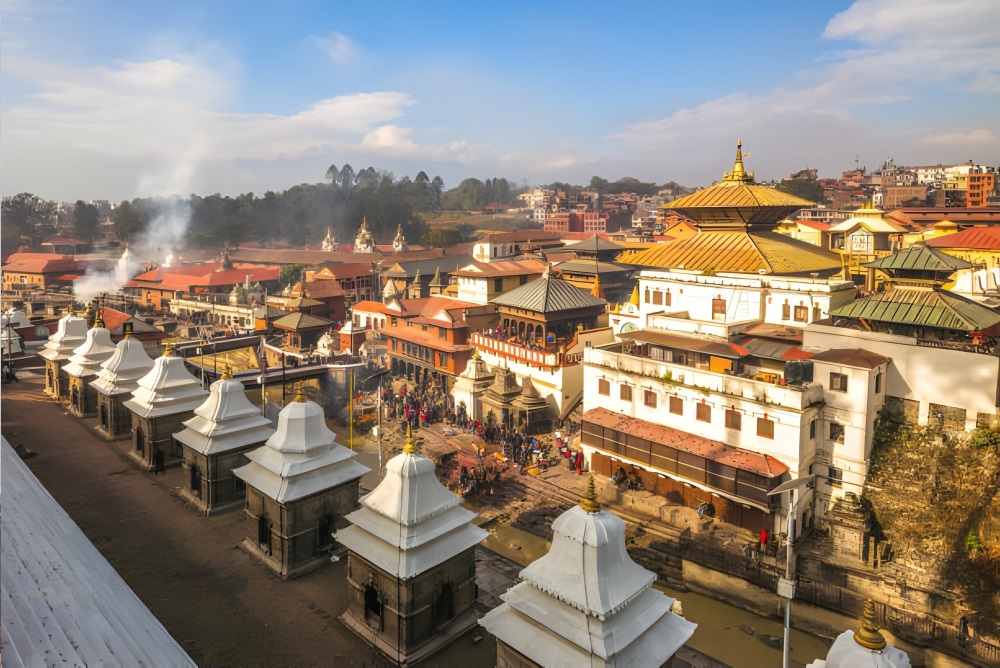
point(85, 219)
point(806, 188)
point(127, 221)
point(332, 174)
point(26, 219)
point(599, 184)
point(443, 237)
point(290, 273)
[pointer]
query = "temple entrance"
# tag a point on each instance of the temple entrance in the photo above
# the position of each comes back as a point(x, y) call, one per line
point(104, 418)
point(444, 606)
point(196, 480)
point(140, 441)
point(373, 607)
point(324, 533)
point(264, 534)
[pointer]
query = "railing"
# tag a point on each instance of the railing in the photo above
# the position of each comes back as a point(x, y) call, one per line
point(786, 396)
point(516, 351)
point(987, 347)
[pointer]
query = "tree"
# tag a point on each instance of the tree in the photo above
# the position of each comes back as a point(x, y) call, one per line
point(85, 219)
point(442, 237)
point(347, 178)
point(332, 174)
point(290, 273)
point(599, 184)
point(26, 218)
point(806, 188)
point(127, 221)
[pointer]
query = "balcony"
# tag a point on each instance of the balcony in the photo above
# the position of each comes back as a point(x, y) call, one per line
point(795, 397)
point(532, 355)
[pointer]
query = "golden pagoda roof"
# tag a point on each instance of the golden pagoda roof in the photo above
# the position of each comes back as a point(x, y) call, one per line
point(738, 251)
point(738, 199)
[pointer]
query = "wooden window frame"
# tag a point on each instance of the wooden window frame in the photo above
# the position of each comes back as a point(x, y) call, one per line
point(624, 389)
point(679, 403)
point(649, 399)
point(765, 428)
point(734, 419)
point(604, 387)
point(838, 381)
point(700, 409)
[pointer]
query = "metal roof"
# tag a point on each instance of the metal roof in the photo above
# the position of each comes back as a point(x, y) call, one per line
point(738, 251)
point(921, 307)
point(301, 320)
point(593, 244)
point(919, 258)
point(547, 295)
point(973, 238)
point(718, 347)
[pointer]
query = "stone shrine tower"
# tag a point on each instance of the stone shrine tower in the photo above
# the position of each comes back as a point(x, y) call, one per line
point(164, 399)
point(586, 603)
point(83, 366)
point(117, 379)
point(469, 388)
point(364, 242)
point(399, 243)
point(10, 340)
point(299, 486)
point(330, 242)
point(71, 333)
point(411, 562)
point(215, 441)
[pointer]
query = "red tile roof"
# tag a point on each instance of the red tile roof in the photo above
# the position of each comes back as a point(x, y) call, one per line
point(815, 224)
point(972, 238)
point(501, 268)
point(420, 337)
point(186, 277)
point(64, 241)
point(716, 451)
point(42, 263)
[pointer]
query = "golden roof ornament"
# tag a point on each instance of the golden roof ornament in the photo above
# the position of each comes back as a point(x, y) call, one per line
point(868, 636)
point(300, 397)
point(99, 320)
point(127, 328)
point(634, 299)
point(227, 372)
point(475, 353)
point(409, 448)
point(739, 173)
point(589, 503)
point(72, 309)
point(168, 349)
point(90, 310)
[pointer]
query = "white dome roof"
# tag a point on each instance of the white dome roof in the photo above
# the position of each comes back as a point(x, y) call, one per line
point(847, 653)
point(17, 318)
point(226, 421)
point(168, 389)
point(96, 349)
point(71, 332)
point(121, 372)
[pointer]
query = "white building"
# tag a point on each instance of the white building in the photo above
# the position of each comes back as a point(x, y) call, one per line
point(586, 603)
point(117, 378)
point(10, 340)
point(70, 334)
point(83, 366)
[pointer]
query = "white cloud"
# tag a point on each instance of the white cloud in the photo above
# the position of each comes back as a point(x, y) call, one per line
point(907, 45)
point(341, 49)
point(979, 139)
point(396, 141)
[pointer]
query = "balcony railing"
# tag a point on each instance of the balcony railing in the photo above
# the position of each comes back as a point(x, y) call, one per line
point(516, 351)
point(707, 382)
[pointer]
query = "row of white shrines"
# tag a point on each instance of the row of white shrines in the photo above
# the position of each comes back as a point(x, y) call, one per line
point(410, 545)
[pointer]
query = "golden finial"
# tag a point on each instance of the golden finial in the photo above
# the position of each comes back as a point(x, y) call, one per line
point(168, 349)
point(868, 636)
point(475, 353)
point(300, 397)
point(589, 503)
point(634, 299)
point(127, 328)
point(738, 173)
point(227, 372)
point(90, 310)
point(72, 308)
point(99, 320)
point(409, 448)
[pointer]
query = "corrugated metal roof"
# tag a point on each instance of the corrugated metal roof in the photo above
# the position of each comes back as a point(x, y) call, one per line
point(919, 258)
point(973, 238)
point(547, 295)
point(739, 201)
point(719, 347)
point(593, 244)
point(301, 321)
point(738, 251)
point(921, 307)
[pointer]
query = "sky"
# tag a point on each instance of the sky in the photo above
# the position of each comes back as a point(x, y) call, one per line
point(114, 100)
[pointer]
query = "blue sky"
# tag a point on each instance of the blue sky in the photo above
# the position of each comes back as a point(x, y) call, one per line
point(114, 100)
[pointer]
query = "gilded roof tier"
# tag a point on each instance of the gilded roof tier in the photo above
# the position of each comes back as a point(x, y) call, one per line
point(738, 251)
point(739, 200)
point(921, 307)
point(919, 258)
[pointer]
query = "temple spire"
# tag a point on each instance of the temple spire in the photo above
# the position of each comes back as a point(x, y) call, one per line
point(634, 299)
point(300, 397)
point(738, 173)
point(868, 636)
point(227, 372)
point(589, 503)
point(409, 448)
point(168, 349)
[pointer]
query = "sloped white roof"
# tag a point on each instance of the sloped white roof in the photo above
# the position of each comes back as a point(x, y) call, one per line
point(17, 318)
point(70, 333)
point(61, 602)
point(587, 603)
point(847, 653)
point(121, 372)
point(87, 358)
point(301, 457)
point(226, 421)
point(167, 389)
point(410, 522)
point(11, 340)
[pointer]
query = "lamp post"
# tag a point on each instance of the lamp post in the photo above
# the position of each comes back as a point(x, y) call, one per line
point(786, 585)
point(378, 409)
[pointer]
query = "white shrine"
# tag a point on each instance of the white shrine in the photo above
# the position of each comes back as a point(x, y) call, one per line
point(364, 242)
point(330, 244)
point(586, 603)
point(299, 486)
point(165, 397)
point(83, 366)
point(470, 386)
point(215, 441)
point(116, 380)
point(864, 647)
point(411, 562)
point(399, 243)
point(71, 332)
point(10, 340)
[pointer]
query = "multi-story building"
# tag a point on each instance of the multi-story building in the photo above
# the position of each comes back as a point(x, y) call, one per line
point(482, 282)
point(576, 221)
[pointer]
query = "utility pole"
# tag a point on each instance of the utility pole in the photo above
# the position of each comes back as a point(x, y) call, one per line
point(786, 585)
point(350, 403)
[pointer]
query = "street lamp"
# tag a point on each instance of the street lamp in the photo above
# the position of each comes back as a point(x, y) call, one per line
point(786, 585)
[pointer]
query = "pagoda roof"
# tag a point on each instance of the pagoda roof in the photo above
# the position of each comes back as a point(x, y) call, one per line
point(593, 244)
point(87, 359)
point(548, 294)
point(121, 372)
point(298, 321)
point(738, 251)
point(70, 333)
point(410, 522)
point(167, 389)
point(226, 421)
point(301, 457)
point(919, 258)
point(921, 306)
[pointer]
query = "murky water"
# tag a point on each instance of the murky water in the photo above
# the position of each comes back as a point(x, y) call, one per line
point(723, 631)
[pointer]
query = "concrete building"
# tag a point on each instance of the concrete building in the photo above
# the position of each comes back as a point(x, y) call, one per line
point(299, 486)
point(71, 333)
point(482, 282)
point(586, 603)
point(214, 443)
point(411, 562)
point(83, 366)
point(117, 378)
point(164, 398)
